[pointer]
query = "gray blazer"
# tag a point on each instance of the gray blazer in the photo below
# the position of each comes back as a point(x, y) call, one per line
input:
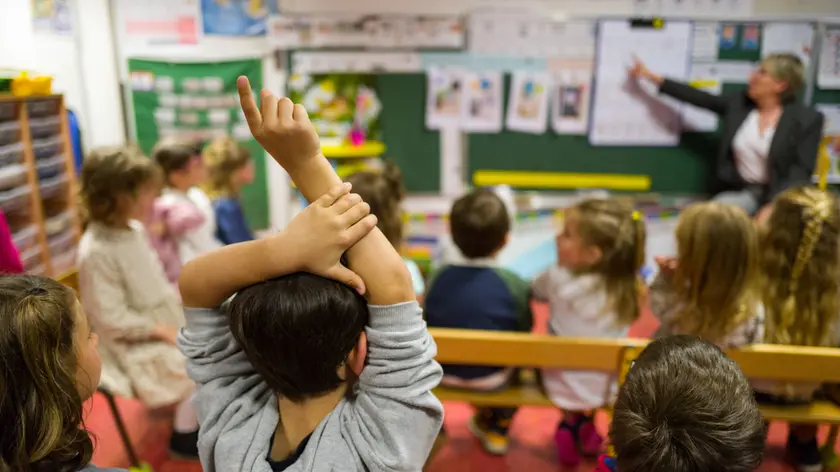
point(793, 151)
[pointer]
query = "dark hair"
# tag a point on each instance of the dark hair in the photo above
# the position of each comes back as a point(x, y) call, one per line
point(685, 407)
point(384, 192)
point(108, 173)
point(39, 403)
point(297, 330)
point(173, 156)
point(479, 223)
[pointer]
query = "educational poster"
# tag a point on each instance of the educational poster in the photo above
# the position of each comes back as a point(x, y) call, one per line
point(198, 101)
point(528, 103)
point(236, 17)
point(570, 101)
point(750, 36)
point(528, 34)
point(796, 38)
point(830, 145)
point(694, 8)
point(740, 42)
point(52, 16)
point(828, 75)
point(362, 62)
point(156, 23)
point(481, 110)
point(343, 107)
point(695, 119)
point(705, 42)
point(627, 112)
point(443, 98)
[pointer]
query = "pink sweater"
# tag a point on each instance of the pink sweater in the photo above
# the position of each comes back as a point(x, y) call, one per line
point(9, 257)
point(168, 223)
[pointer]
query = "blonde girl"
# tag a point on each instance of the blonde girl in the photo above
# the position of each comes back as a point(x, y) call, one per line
point(711, 288)
point(801, 290)
point(592, 292)
point(125, 292)
point(384, 192)
point(50, 368)
point(229, 168)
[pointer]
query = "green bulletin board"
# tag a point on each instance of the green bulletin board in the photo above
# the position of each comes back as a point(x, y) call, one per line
point(197, 101)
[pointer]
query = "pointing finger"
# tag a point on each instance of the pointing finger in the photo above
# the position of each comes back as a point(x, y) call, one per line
point(249, 106)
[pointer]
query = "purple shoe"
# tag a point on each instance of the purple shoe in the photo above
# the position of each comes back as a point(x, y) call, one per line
point(590, 441)
point(567, 451)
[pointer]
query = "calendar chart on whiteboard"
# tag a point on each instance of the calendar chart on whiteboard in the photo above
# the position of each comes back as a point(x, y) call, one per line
point(627, 112)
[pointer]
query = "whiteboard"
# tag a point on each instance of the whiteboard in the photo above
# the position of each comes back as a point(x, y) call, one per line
point(630, 113)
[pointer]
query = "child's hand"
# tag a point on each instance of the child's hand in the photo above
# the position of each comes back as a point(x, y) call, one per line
point(321, 233)
point(667, 265)
point(280, 126)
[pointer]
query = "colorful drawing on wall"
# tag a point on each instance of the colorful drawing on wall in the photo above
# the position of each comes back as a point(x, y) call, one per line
point(343, 107)
point(198, 102)
point(52, 16)
point(237, 17)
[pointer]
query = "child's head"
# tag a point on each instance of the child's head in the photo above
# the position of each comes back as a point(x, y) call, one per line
point(686, 406)
point(182, 167)
point(50, 367)
point(384, 192)
point(303, 333)
point(799, 261)
point(480, 224)
point(717, 268)
point(229, 167)
point(118, 184)
point(605, 236)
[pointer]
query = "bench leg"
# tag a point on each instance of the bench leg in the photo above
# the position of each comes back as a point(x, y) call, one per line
point(129, 449)
point(829, 452)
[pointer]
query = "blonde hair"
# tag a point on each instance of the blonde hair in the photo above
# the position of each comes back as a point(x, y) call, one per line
point(787, 68)
point(618, 232)
point(799, 258)
point(384, 192)
point(111, 172)
point(717, 273)
point(223, 157)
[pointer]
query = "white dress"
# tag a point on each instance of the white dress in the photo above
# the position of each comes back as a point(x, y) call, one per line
point(578, 308)
point(203, 239)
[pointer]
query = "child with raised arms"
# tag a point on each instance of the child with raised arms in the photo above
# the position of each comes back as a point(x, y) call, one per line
point(800, 270)
point(50, 368)
point(711, 288)
point(593, 291)
point(301, 373)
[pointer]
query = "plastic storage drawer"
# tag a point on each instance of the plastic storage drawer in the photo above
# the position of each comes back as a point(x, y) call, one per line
point(62, 242)
point(43, 107)
point(58, 223)
point(9, 132)
point(7, 111)
point(45, 148)
point(51, 167)
point(51, 187)
point(12, 176)
point(44, 127)
point(31, 258)
point(11, 154)
point(25, 238)
point(65, 262)
point(15, 198)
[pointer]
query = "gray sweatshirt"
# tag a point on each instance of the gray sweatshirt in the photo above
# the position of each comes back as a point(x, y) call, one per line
point(390, 425)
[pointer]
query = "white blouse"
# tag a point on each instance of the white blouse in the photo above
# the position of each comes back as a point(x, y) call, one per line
point(751, 148)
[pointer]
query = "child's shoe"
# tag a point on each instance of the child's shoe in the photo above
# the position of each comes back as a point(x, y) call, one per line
point(805, 455)
point(494, 442)
point(184, 445)
point(590, 441)
point(567, 447)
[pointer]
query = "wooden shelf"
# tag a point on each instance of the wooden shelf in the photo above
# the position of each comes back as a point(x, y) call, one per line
point(46, 227)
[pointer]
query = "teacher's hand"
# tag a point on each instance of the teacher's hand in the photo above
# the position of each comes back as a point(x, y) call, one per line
point(639, 71)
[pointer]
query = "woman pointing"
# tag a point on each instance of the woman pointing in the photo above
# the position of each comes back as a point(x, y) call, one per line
point(770, 142)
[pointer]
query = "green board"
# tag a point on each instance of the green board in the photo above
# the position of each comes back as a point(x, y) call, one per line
point(197, 100)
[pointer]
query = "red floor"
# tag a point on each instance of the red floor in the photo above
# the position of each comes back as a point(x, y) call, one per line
point(531, 436)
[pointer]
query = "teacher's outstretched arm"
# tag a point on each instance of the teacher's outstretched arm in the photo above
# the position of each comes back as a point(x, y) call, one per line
point(678, 90)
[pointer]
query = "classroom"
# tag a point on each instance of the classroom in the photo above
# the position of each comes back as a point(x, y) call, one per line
point(576, 195)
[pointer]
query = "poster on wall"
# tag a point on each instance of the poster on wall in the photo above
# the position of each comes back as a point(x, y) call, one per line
point(156, 23)
point(236, 17)
point(528, 103)
point(52, 16)
point(343, 107)
point(443, 98)
point(198, 102)
point(482, 107)
point(570, 98)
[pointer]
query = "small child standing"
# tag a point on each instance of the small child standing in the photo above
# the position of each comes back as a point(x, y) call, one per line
point(176, 219)
point(230, 168)
point(384, 192)
point(685, 406)
point(710, 289)
point(800, 264)
point(593, 291)
point(478, 294)
point(124, 289)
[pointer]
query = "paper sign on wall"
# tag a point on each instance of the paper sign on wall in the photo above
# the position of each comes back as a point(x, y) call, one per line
point(443, 100)
point(481, 109)
point(570, 101)
point(528, 103)
point(156, 22)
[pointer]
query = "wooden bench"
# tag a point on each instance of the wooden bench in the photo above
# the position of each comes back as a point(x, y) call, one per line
point(784, 363)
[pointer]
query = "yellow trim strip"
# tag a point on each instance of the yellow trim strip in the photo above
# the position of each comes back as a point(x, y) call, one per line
point(561, 180)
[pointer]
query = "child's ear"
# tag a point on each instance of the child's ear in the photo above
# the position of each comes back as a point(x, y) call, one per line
point(592, 255)
point(357, 357)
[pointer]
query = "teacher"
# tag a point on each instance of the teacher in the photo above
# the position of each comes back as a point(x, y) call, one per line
point(770, 142)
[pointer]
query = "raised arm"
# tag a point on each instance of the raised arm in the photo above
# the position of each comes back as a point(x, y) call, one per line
point(284, 130)
point(680, 91)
